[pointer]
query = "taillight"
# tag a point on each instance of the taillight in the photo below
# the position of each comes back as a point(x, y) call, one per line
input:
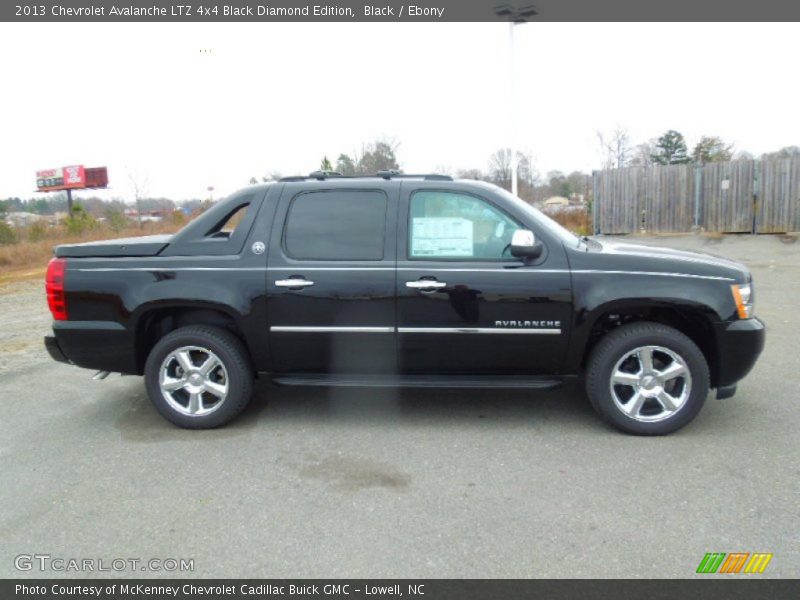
point(54, 284)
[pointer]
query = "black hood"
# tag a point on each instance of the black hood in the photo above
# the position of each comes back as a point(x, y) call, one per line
point(628, 256)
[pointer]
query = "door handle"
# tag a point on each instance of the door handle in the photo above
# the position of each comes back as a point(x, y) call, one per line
point(426, 285)
point(293, 283)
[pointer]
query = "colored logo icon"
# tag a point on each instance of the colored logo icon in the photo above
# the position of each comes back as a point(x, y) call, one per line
point(734, 562)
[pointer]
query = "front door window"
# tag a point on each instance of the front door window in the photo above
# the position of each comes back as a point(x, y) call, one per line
point(454, 226)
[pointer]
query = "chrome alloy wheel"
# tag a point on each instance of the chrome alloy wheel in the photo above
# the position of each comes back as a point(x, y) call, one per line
point(650, 383)
point(193, 381)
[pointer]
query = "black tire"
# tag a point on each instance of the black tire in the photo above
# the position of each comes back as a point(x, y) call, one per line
point(235, 372)
point(619, 344)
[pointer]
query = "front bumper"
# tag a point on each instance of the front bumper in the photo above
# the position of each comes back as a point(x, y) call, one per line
point(739, 344)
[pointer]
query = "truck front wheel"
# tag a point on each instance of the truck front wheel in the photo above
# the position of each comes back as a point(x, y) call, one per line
point(647, 379)
point(199, 377)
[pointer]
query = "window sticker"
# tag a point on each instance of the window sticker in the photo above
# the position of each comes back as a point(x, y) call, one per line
point(442, 236)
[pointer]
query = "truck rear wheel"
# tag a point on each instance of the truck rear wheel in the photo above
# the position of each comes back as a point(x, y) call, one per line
point(199, 377)
point(647, 379)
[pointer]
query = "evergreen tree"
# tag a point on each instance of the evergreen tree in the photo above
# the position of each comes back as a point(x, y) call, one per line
point(670, 149)
point(378, 156)
point(325, 165)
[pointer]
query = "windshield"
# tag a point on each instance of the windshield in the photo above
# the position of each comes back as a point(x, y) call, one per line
point(564, 234)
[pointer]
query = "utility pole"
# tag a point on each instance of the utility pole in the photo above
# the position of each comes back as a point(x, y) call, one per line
point(515, 16)
point(512, 76)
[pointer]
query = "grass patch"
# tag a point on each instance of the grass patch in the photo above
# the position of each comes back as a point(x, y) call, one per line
point(577, 220)
point(26, 257)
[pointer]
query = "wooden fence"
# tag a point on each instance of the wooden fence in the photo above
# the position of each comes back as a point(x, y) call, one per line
point(743, 196)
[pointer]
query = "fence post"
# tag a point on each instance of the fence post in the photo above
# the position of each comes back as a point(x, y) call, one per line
point(698, 191)
point(595, 198)
point(756, 194)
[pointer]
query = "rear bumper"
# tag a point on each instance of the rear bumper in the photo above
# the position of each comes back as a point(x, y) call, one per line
point(739, 344)
point(99, 345)
point(54, 350)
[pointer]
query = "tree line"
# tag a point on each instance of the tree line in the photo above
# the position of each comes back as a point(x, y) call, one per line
point(54, 203)
point(382, 154)
point(618, 151)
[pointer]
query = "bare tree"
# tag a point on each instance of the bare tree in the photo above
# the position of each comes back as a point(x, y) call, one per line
point(642, 155)
point(442, 169)
point(785, 152)
point(139, 183)
point(476, 174)
point(272, 176)
point(500, 167)
point(615, 148)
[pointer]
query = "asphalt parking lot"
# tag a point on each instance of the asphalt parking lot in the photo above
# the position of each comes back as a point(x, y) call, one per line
point(386, 483)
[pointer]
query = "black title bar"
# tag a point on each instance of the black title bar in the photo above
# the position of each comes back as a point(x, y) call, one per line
point(188, 11)
point(710, 588)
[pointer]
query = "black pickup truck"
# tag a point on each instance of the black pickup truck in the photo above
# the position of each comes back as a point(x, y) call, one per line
point(401, 280)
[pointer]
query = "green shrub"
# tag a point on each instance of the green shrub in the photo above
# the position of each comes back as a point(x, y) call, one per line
point(7, 235)
point(80, 221)
point(37, 232)
point(178, 217)
point(116, 219)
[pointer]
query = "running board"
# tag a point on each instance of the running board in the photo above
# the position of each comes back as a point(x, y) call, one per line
point(417, 381)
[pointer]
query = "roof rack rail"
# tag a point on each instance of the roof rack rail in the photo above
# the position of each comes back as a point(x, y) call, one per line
point(384, 174)
point(395, 174)
point(320, 175)
point(324, 174)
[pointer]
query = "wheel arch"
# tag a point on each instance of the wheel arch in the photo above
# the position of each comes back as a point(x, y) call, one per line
point(154, 322)
point(693, 320)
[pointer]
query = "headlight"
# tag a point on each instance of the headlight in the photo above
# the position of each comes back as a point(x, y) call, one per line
point(743, 297)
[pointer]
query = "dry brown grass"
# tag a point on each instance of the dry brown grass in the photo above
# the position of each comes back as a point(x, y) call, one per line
point(27, 259)
point(577, 221)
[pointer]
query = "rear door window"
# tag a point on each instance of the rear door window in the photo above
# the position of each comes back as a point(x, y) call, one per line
point(336, 225)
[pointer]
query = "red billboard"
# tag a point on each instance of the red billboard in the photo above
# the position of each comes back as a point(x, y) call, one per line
point(71, 178)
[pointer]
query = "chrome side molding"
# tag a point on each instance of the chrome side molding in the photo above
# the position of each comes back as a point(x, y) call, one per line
point(326, 329)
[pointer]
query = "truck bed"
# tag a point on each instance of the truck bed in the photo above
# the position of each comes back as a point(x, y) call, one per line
point(149, 245)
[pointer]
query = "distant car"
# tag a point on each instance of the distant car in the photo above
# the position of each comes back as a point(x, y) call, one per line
point(401, 280)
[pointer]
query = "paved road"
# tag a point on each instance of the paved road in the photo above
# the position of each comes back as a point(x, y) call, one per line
point(381, 483)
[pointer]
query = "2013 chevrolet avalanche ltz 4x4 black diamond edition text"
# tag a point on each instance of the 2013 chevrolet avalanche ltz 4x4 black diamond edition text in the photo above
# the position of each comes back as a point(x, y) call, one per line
point(401, 280)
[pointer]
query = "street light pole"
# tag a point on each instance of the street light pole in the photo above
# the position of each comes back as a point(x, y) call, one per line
point(513, 101)
point(515, 17)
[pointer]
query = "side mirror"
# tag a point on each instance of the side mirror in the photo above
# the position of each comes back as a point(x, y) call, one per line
point(524, 244)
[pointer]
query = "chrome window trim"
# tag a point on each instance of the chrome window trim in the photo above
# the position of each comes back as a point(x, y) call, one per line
point(301, 268)
point(170, 269)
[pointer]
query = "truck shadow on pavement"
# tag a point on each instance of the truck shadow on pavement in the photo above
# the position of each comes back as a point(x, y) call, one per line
point(287, 407)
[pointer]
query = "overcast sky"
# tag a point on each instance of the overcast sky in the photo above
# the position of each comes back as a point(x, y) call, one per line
point(144, 99)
